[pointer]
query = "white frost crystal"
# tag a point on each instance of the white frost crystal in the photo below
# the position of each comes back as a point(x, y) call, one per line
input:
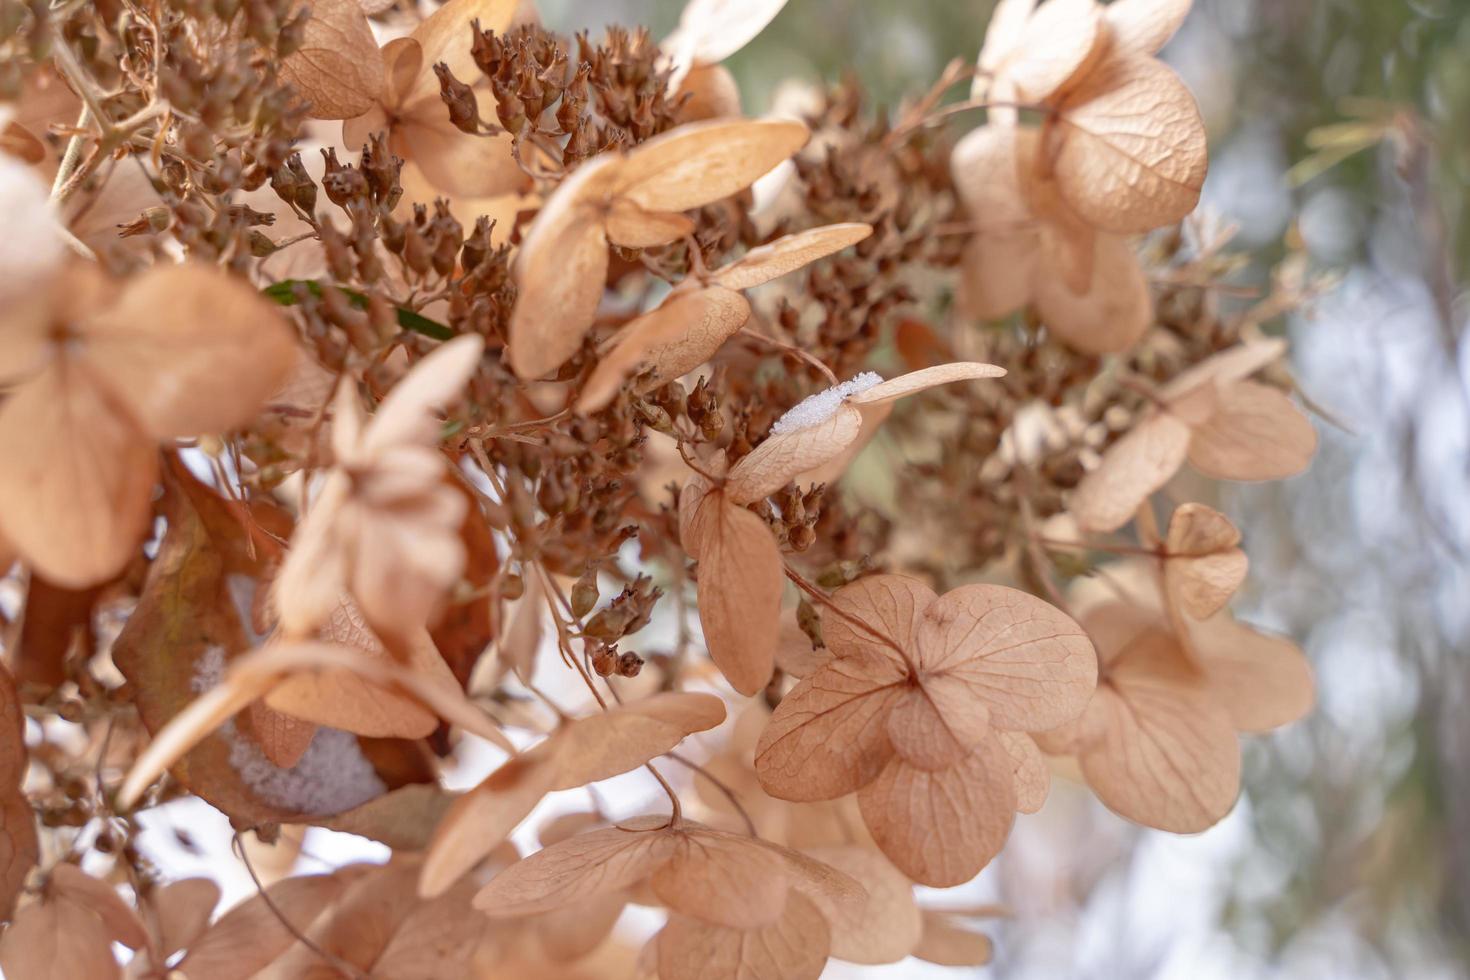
point(332, 775)
point(821, 406)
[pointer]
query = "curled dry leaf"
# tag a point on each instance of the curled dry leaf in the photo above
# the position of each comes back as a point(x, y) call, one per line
point(581, 751)
point(907, 710)
point(337, 68)
point(1228, 427)
point(562, 265)
point(740, 583)
point(106, 372)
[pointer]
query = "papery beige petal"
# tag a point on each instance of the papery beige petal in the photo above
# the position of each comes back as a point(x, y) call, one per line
point(1130, 153)
point(785, 255)
point(631, 226)
point(827, 737)
point(712, 30)
point(1131, 469)
point(190, 350)
point(1232, 364)
point(924, 379)
point(740, 584)
point(996, 274)
point(184, 908)
point(886, 926)
point(589, 864)
point(1144, 26)
point(709, 92)
point(785, 455)
point(947, 944)
point(1203, 565)
point(700, 163)
point(58, 939)
point(1157, 749)
point(941, 827)
point(622, 739)
point(343, 699)
point(1061, 41)
point(1112, 313)
point(408, 413)
point(936, 723)
point(1003, 33)
point(454, 162)
point(77, 478)
point(1255, 433)
point(793, 947)
point(682, 333)
point(1019, 656)
point(1263, 680)
point(483, 818)
point(337, 67)
point(722, 879)
point(445, 36)
point(560, 273)
point(118, 917)
point(876, 619)
point(1031, 774)
point(250, 936)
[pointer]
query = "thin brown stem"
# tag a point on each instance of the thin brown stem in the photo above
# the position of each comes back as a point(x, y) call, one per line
point(332, 959)
point(720, 785)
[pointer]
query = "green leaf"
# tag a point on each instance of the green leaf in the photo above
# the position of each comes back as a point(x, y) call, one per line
point(284, 293)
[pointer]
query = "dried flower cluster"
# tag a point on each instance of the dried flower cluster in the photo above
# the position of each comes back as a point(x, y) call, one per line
point(378, 377)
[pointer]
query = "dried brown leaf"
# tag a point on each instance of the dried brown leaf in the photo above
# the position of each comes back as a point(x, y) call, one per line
point(58, 939)
point(19, 846)
point(118, 918)
point(337, 67)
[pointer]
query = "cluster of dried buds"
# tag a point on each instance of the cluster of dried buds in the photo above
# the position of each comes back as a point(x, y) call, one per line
point(325, 448)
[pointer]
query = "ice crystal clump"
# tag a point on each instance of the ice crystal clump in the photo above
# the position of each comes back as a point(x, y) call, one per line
point(819, 407)
point(332, 775)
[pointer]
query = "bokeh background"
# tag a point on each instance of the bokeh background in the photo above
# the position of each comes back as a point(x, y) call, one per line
point(1341, 128)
